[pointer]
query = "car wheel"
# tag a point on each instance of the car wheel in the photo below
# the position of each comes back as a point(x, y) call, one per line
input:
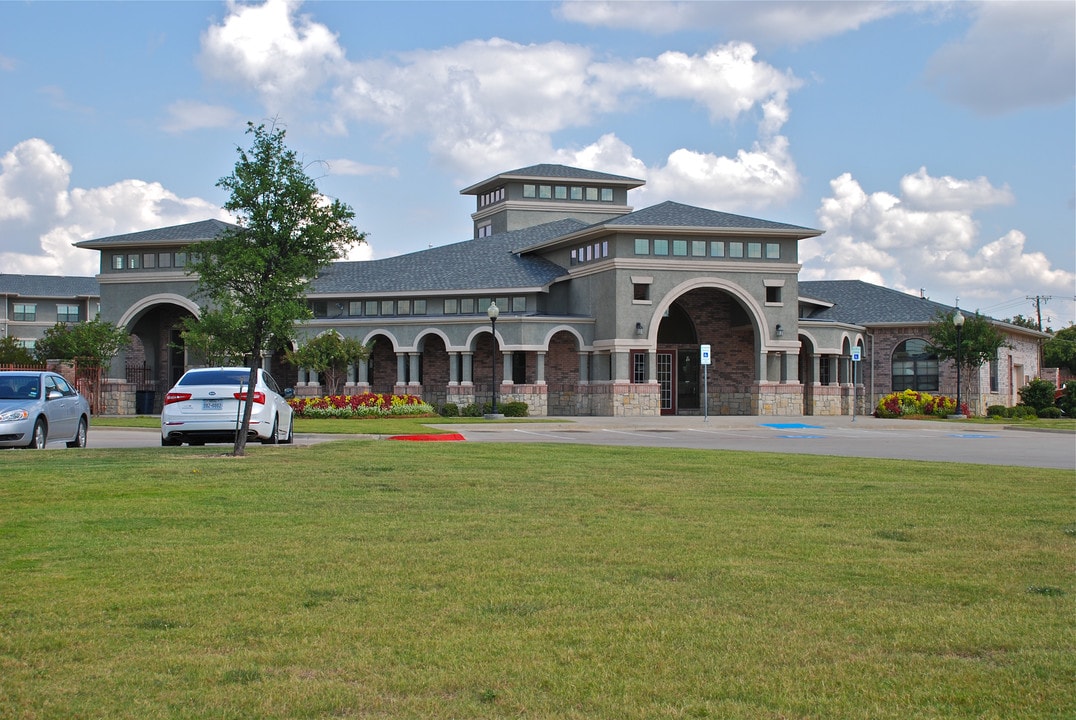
point(39, 437)
point(291, 431)
point(273, 439)
point(80, 436)
point(165, 442)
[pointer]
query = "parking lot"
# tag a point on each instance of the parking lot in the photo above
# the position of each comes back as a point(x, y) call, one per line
point(866, 437)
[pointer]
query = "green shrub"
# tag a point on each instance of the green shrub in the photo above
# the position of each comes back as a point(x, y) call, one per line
point(997, 411)
point(471, 410)
point(513, 409)
point(1067, 401)
point(1024, 412)
point(1050, 412)
point(450, 410)
point(1038, 394)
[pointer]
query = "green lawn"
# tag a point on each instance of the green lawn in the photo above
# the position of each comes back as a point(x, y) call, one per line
point(374, 579)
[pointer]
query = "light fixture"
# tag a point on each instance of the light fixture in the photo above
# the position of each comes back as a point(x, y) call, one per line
point(492, 312)
point(958, 320)
point(639, 329)
point(780, 330)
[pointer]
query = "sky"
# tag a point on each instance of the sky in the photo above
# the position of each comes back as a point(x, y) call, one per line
point(933, 142)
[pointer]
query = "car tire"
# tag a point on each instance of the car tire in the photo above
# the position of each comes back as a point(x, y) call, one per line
point(165, 442)
point(40, 436)
point(273, 439)
point(80, 436)
point(291, 432)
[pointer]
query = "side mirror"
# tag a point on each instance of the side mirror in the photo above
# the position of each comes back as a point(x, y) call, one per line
point(289, 393)
point(53, 394)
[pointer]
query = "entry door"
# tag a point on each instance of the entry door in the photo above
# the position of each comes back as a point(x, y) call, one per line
point(666, 383)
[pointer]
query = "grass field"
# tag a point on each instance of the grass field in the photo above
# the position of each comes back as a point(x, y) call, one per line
point(367, 579)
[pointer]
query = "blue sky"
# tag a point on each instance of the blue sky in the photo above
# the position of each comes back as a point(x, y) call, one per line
point(935, 143)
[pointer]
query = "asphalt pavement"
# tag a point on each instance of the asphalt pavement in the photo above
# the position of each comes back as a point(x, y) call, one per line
point(864, 436)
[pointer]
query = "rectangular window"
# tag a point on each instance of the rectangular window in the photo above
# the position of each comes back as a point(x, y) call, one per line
point(452, 306)
point(754, 250)
point(642, 246)
point(403, 307)
point(773, 294)
point(420, 307)
point(25, 311)
point(560, 192)
point(467, 306)
point(519, 304)
point(485, 230)
point(607, 194)
point(641, 291)
point(483, 305)
point(354, 308)
point(717, 248)
point(371, 308)
point(736, 249)
point(592, 194)
point(388, 307)
point(529, 191)
point(118, 262)
point(574, 257)
point(680, 248)
point(67, 313)
point(605, 248)
point(994, 374)
point(181, 259)
point(661, 246)
point(545, 192)
point(134, 262)
point(164, 260)
point(638, 368)
point(773, 251)
point(149, 260)
point(320, 308)
point(502, 303)
point(577, 193)
point(698, 248)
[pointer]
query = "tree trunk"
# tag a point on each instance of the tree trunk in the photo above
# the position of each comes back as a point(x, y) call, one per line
point(240, 448)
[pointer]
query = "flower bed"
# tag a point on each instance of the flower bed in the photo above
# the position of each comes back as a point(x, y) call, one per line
point(912, 402)
point(371, 405)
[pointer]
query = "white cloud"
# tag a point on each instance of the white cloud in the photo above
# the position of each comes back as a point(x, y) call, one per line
point(341, 166)
point(487, 105)
point(1015, 55)
point(282, 54)
point(768, 23)
point(41, 216)
point(185, 115)
point(907, 244)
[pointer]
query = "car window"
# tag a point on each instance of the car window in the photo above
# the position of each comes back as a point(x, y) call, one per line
point(19, 387)
point(50, 385)
point(215, 377)
point(63, 386)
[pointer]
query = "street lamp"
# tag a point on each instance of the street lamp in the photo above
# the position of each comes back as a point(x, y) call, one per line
point(493, 312)
point(958, 320)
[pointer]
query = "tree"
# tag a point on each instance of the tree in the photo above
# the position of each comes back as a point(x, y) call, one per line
point(1038, 393)
point(329, 354)
point(980, 340)
point(93, 343)
point(255, 278)
point(1060, 350)
point(1021, 321)
point(12, 352)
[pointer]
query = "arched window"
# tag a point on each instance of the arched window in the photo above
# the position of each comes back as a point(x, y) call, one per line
point(915, 367)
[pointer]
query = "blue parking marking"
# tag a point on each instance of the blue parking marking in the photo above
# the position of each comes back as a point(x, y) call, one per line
point(791, 426)
point(802, 437)
point(973, 436)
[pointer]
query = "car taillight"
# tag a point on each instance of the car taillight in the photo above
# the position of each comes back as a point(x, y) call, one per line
point(174, 397)
point(259, 396)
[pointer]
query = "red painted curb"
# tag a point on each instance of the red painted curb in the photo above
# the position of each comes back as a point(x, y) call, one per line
point(445, 437)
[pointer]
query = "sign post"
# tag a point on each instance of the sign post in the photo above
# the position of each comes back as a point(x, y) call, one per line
point(704, 360)
point(857, 355)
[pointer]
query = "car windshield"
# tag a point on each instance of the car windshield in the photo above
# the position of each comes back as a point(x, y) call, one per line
point(216, 377)
point(19, 387)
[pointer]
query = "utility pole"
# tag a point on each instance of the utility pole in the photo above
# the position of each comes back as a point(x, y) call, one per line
point(1038, 306)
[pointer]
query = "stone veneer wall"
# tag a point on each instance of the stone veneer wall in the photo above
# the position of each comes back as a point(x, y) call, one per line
point(117, 397)
point(779, 399)
point(623, 399)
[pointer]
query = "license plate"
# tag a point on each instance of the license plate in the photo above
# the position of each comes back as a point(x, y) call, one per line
point(212, 404)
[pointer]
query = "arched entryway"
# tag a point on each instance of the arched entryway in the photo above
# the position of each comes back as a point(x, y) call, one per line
point(157, 355)
point(715, 317)
point(565, 396)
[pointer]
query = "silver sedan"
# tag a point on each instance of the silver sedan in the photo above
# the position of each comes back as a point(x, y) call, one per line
point(38, 407)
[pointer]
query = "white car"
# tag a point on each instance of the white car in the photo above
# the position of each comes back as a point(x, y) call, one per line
point(206, 405)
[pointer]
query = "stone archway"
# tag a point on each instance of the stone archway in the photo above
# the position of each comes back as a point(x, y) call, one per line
point(563, 387)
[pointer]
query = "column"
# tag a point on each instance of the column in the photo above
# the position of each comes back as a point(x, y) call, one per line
point(539, 371)
point(621, 367)
point(468, 368)
point(364, 372)
point(506, 368)
point(413, 370)
point(401, 368)
point(584, 368)
point(453, 368)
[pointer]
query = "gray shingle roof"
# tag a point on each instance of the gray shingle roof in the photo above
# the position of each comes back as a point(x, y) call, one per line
point(173, 235)
point(48, 286)
point(492, 262)
point(860, 303)
point(674, 214)
point(552, 172)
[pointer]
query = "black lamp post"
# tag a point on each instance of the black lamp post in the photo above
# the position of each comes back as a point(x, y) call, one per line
point(493, 312)
point(958, 320)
